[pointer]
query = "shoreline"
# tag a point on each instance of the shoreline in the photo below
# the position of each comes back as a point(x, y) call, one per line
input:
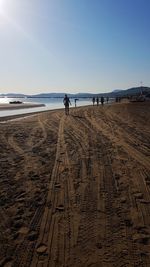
point(8, 106)
point(22, 116)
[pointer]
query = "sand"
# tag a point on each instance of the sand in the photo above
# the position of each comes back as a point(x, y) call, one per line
point(19, 106)
point(75, 190)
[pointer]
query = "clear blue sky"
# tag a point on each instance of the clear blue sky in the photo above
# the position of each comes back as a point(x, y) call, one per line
point(73, 45)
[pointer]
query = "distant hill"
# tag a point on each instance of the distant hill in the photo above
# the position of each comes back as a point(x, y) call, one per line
point(133, 91)
point(116, 90)
point(114, 93)
point(57, 95)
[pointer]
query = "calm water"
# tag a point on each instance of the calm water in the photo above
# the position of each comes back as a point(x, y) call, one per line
point(50, 104)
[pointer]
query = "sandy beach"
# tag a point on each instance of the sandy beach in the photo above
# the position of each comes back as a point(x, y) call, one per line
point(75, 190)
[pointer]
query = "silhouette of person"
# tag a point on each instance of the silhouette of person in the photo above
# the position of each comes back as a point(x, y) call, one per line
point(102, 100)
point(97, 100)
point(107, 99)
point(75, 101)
point(66, 102)
point(93, 100)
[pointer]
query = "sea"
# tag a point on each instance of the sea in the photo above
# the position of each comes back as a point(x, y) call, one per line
point(50, 104)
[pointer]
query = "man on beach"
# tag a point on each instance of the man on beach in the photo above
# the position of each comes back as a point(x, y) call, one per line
point(66, 103)
point(97, 100)
point(102, 100)
point(93, 100)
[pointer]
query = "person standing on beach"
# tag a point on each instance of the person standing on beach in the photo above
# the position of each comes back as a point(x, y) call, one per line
point(93, 100)
point(107, 99)
point(66, 103)
point(97, 100)
point(102, 100)
point(75, 101)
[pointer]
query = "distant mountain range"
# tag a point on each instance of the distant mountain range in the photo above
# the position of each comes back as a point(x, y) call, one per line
point(114, 93)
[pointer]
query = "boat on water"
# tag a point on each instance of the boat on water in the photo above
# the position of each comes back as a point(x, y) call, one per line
point(15, 102)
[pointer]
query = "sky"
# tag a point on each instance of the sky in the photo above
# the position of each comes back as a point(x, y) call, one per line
point(73, 45)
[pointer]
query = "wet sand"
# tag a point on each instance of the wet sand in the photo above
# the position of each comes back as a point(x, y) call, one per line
point(19, 106)
point(75, 190)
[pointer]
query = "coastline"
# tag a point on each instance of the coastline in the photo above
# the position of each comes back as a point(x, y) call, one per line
point(34, 113)
point(8, 106)
point(26, 115)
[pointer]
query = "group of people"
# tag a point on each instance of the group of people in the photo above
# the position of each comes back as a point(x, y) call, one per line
point(67, 102)
point(97, 100)
point(118, 99)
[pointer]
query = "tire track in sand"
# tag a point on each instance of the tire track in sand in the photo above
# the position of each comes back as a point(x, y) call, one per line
point(138, 156)
point(53, 246)
point(24, 251)
point(113, 255)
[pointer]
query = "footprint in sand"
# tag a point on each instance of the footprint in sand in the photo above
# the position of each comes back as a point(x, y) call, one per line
point(33, 236)
point(41, 249)
point(57, 186)
point(60, 208)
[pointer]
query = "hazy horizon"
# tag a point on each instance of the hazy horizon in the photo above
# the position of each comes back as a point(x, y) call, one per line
point(72, 46)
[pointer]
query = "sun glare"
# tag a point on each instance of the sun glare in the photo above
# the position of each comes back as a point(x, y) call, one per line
point(2, 4)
